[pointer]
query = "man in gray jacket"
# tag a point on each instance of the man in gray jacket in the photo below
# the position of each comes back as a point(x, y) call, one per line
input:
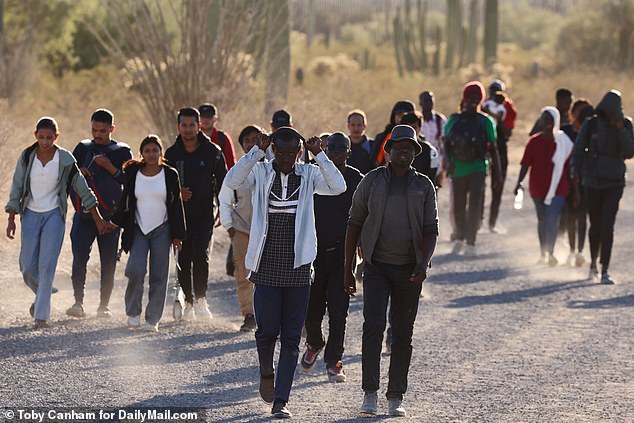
point(394, 215)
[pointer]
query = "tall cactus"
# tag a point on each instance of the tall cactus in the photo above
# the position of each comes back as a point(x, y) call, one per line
point(278, 54)
point(436, 63)
point(408, 38)
point(454, 31)
point(491, 21)
point(422, 33)
point(397, 37)
point(472, 37)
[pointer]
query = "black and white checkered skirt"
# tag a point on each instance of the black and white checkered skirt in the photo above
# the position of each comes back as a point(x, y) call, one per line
point(278, 256)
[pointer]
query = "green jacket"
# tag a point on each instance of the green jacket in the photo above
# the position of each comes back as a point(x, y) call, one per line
point(69, 176)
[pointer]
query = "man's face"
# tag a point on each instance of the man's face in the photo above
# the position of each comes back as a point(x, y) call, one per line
point(338, 152)
point(249, 141)
point(564, 103)
point(207, 122)
point(402, 153)
point(427, 102)
point(101, 132)
point(188, 128)
point(356, 126)
point(285, 154)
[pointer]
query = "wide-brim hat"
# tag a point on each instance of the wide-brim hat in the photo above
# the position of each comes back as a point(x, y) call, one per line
point(403, 133)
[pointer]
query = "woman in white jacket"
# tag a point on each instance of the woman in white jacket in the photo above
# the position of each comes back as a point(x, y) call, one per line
point(282, 247)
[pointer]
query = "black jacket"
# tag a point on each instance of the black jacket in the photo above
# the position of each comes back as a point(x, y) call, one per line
point(202, 171)
point(125, 216)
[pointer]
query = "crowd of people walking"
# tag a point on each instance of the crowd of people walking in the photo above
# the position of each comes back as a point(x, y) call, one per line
point(306, 217)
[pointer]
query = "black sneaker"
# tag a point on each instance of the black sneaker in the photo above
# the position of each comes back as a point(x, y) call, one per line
point(280, 411)
point(267, 388)
point(249, 324)
point(309, 358)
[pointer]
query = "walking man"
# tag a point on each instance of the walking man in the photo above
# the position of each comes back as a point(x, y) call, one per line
point(469, 138)
point(209, 125)
point(100, 160)
point(361, 150)
point(327, 291)
point(394, 215)
point(282, 246)
point(201, 168)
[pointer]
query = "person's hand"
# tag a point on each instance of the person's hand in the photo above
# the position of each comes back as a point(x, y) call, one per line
point(104, 227)
point(231, 232)
point(517, 188)
point(350, 283)
point(85, 172)
point(11, 229)
point(186, 193)
point(264, 141)
point(178, 244)
point(313, 144)
point(419, 274)
point(104, 162)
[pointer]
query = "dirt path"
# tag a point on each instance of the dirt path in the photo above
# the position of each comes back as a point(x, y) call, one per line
point(497, 339)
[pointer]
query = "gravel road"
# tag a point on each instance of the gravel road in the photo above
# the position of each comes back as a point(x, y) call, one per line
point(497, 338)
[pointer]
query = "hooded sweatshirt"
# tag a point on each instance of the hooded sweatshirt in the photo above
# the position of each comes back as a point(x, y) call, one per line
point(601, 148)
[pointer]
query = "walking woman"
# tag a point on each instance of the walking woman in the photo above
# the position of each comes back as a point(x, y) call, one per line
point(546, 154)
point(152, 218)
point(575, 215)
point(39, 194)
point(603, 144)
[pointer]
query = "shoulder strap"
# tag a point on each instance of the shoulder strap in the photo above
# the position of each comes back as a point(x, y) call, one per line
point(438, 125)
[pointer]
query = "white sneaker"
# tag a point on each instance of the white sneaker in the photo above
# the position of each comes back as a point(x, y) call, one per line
point(134, 321)
point(369, 407)
point(395, 407)
point(469, 251)
point(202, 309)
point(457, 247)
point(570, 261)
point(188, 313)
point(149, 327)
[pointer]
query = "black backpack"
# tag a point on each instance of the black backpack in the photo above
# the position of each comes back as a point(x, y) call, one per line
point(466, 140)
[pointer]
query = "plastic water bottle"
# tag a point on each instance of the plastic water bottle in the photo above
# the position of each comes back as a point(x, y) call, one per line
point(519, 199)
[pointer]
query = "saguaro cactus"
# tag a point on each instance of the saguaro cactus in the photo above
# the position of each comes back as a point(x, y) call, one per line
point(472, 37)
point(278, 54)
point(437, 52)
point(491, 21)
point(421, 19)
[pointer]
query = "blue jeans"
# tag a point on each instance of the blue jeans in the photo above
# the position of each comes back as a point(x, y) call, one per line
point(280, 312)
point(548, 222)
point(157, 244)
point(82, 236)
point(42, 237)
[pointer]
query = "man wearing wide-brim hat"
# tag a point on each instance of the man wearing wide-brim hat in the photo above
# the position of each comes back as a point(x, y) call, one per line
point(394, 217)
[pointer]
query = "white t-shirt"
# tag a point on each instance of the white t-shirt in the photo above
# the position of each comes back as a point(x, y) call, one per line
point(151, 198)
point(429, 130)
point(44, 184)
point(494, 108)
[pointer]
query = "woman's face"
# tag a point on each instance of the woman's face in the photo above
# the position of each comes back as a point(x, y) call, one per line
point(151, 153)
point(45, 138)
point(249, 141)
point(548, 122)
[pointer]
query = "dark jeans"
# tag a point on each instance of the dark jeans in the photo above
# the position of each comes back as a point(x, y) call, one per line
point(603, 204)
point(496, 198)
point(82, 236)
point(548, 222)
point(279, 312)
point(327, 291)
point(193, 258)
point(382, 282)
point(468, 219)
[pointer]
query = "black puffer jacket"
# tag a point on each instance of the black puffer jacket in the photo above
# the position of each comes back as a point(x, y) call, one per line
point(601, 148)
point(125, 216)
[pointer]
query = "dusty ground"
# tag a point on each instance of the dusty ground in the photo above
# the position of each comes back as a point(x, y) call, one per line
point(497, 339)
